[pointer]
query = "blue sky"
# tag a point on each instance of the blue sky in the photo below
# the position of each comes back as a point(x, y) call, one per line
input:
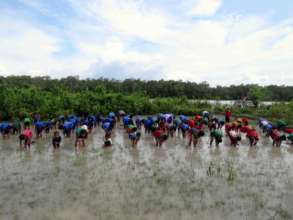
point(220, 41)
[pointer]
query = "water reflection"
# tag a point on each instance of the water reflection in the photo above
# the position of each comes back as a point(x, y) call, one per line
point(252, 152)
point(147, 182)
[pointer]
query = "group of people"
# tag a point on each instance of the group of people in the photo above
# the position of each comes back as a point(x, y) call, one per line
point(164, 126)
point(81, 126)
point(277, 132)
point(160, 127)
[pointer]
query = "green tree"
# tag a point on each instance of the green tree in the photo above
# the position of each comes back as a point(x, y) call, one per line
point(256, 94)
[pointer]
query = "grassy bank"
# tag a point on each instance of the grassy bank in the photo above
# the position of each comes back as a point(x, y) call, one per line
point(23, 101)
point(24, 96)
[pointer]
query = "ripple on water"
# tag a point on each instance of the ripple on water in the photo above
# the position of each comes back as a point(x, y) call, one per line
point(172, 182)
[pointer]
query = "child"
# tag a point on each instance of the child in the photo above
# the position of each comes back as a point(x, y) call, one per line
point(107, 142)
point(228, 115)
point(81, 135)
point(206, 115)
point(216, 135)
point(5, 130)
point(138, 122)
point(171, 129)
point(26, 136)
point(253, 136)
point(134, 136)
point(277, 137)
point(184, 127)
point(39, 126)
point(67, 128)
point(148, 124)
point(194, 135)
point(27, 122)
point(107, 138)
point(234, 136)
point(56, 140)
point(47, 127)
point(160, 137)
point(214, 123)
point(16, 126)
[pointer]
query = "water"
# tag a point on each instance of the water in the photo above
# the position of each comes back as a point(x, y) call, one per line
point(232, 102)
point(172, 182)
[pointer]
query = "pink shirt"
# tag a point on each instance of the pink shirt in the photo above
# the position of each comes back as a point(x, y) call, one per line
point(28, 133)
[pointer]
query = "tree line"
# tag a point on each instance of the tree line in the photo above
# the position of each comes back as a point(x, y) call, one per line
point(22, 96)
point(152, 88)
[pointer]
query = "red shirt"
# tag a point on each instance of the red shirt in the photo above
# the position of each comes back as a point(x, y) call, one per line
point(197, 118)
point(245, 121)
point(191, 123)
point(244, 129)
point(162, 126)
point(252, 133)
point(157, 133)
point(228, 114)
point(289, 130)
point(199, 127)
point(275, 134)
point(27, 133)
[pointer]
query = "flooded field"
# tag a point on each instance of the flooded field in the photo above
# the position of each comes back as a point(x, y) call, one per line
point(172, 182)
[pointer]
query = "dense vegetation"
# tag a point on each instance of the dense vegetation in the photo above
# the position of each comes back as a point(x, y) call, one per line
point(23, 95)
point(152, 89)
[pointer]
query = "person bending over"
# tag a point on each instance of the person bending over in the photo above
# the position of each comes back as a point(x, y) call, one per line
point(56, 140)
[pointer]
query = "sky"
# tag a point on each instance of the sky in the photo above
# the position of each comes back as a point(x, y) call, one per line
point(222, 42)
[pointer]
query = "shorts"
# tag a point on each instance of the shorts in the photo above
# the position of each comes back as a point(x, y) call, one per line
point(26, 123)
point(21, 137)
point(219, 139)
point(56, 140)
point(107, 143)
point(6, 131)
point(132, 137)
point(39, 130)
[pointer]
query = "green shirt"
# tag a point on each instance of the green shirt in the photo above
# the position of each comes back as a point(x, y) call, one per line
point(16, 123)
point(216, 133)
point(27, 120)
point(78, 131)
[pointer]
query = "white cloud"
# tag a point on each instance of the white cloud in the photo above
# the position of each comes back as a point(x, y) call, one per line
point(26, 49)
point(205, 8)
point(114, 50)
point(129, 17)
point(233, 49)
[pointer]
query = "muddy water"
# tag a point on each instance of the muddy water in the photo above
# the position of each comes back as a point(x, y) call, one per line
point(172, 182)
